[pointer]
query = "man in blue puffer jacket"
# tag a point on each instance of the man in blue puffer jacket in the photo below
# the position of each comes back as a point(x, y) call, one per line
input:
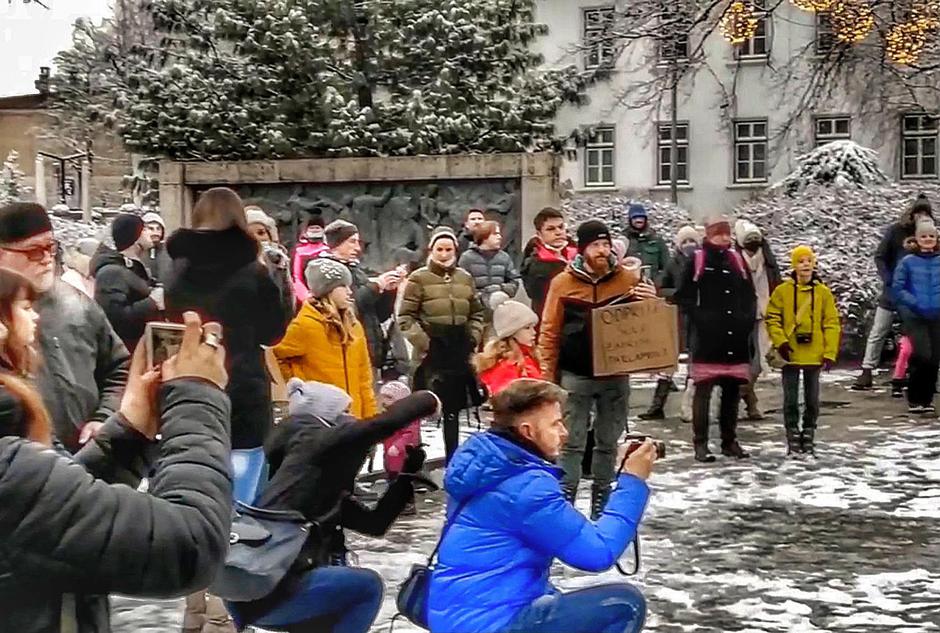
point(507, 520)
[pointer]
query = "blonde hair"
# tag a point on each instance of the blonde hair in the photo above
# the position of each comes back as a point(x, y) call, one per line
point(343, 321)
point(500, 349)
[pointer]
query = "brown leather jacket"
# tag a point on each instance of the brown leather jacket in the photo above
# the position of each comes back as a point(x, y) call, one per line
point(565, 333)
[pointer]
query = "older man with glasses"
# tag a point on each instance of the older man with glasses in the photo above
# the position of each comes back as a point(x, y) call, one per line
point(84, 364)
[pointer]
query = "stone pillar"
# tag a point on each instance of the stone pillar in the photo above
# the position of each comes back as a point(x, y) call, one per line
point(40, 186)
point(176, 199)
point(86, 191)
point(537, 186)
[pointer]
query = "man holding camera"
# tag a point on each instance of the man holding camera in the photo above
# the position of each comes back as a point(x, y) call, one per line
point(592, 280)
point(508, 519)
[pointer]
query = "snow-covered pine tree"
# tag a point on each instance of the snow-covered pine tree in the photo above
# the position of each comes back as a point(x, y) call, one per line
point(838, 164)
point(12, 181)
point(276, 78)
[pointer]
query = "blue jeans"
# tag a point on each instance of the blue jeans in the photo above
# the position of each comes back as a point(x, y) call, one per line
point(614, 608)
point(348, 598)
point(249, 472)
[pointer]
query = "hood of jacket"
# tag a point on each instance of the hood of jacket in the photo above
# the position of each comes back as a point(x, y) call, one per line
point(579, 269)
point(218, 253)
point(743, 229)
point(487, 460)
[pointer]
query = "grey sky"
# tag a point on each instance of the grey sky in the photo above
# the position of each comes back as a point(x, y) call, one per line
point(30, 37)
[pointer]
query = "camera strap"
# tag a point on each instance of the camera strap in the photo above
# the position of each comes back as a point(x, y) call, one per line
point(800, 312)
point(636, 559)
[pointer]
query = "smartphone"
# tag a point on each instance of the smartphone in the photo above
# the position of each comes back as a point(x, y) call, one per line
point(646, 274)
point(161, 341)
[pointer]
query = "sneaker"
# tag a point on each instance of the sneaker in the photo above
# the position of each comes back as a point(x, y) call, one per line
point(916, 409)
point(897, 388)
point(929, 411)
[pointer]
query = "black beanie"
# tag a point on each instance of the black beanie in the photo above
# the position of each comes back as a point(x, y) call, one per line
point(591, 231)
point(22, 220)
point(126, 230)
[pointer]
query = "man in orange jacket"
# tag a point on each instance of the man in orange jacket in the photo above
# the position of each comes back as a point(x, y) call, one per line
point(592, 280)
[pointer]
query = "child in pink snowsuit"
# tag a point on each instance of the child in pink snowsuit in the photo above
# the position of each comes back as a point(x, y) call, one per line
point(309, 246)
point(395, 446)
point(905, 349)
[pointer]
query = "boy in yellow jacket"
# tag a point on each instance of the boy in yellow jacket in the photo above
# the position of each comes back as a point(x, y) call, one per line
point(804, 326)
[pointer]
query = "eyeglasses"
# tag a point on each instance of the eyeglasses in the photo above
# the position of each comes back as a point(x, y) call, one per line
point(36, 253)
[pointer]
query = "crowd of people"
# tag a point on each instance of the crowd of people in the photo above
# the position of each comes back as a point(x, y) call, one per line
point(362, 357)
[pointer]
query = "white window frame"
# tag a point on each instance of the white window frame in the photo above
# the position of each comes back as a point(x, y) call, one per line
point(821, 135)
point(745, 135)
point(746, 49)
point(598, 49)
point(599, 147)
point(927, 129)
point(664, 149)
point(823, 33)
point(682, 47)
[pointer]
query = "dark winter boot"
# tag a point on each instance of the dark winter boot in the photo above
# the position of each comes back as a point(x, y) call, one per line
point(807, 441)
point(897, 388)
point(655, 411)
point(702, 454)
point(794, 442)
point(599, 496)
point(750, 401)
point(864, 381)
point(734, 450)
point(570, 492)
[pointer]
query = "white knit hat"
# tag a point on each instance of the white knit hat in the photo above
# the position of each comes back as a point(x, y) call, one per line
point(255, 215)
point(686, 233)
point(316, 398)
point(323, 275)
point(511, 316)
point(154, 218)
point(395, 390)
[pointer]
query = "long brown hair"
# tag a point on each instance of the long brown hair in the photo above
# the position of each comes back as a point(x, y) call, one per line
point(15, 364)
point(14, 287)
point(343, 321)
point(219, 209)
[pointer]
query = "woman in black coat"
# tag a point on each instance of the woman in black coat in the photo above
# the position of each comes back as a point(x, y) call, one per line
point(315, 456)
point(218, 273)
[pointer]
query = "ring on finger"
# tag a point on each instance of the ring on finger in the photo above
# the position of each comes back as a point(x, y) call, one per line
point(213, 340)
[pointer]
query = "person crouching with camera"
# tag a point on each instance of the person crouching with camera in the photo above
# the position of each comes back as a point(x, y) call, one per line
point(804, 327)
point(508, 519)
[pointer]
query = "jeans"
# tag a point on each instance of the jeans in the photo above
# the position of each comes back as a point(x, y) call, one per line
point(611, 396)
point(880, 329)
point(791, 397)
point(249, 472)
point(614, 608)
point(728, 413)
point(925, 360)
point(330, 600)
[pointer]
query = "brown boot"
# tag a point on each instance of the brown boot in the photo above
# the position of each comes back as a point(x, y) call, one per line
point(750, 401)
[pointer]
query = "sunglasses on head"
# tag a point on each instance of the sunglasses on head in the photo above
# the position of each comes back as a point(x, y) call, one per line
point(35, 253)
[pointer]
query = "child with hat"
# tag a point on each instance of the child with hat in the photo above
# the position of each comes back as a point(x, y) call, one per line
point(805, 329)
point(510, 355)
point(396, 446)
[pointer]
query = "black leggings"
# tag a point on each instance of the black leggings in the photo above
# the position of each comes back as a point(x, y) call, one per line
point(925, 360)
point(727, 419)
point(451, 422)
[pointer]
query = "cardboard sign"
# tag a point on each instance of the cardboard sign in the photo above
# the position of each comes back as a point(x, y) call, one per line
point(630, 338)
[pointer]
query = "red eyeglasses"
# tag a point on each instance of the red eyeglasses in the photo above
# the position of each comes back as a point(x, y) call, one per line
point(36, 253)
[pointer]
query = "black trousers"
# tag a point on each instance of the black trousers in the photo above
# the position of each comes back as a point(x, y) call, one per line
point(728, 416)
point(791, 397)
point(925, 360)
point(451, 422)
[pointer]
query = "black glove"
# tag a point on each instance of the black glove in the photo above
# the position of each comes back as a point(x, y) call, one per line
point(828, 364)
point(414, 459)
point(785, 351)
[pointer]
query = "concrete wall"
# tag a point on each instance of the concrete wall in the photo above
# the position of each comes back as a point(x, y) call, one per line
point(515, 185)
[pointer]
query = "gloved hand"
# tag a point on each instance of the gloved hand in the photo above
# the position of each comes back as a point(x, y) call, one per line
point(828, 364)
point(785, 351)
point(414, 459)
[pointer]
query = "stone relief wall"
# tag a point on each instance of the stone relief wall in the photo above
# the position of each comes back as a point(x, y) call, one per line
point(394, 220)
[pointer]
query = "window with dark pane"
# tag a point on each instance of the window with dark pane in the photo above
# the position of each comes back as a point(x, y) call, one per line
point(664, 153)
point(919, 146)
point(599, 158)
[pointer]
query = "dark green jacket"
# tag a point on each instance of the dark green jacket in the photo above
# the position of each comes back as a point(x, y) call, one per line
point(651, 249)
point(438, 296)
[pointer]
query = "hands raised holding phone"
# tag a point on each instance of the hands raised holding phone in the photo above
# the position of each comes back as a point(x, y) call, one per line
point(200, 357)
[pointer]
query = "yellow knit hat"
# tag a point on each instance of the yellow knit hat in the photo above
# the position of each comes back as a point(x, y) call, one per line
point(799, 253)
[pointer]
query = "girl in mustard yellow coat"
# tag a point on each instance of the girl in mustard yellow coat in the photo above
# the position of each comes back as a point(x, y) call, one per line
point(326, 342)
point(805, 328)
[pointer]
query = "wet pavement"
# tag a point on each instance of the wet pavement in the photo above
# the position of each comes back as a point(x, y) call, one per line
point(849, 541)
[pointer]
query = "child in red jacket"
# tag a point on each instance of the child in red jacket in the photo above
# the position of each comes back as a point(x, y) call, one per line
point(511, 354)
point(396, 446)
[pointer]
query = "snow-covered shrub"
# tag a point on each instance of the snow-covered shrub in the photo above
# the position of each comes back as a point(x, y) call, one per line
point(12, 180)
point(839, 163)
point(665, 217)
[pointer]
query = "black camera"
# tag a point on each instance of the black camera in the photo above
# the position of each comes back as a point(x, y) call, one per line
point(635, 441)
point(804, 338)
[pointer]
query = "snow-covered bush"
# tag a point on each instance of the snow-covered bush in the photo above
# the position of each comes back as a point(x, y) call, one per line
point(611, 208)
point(840, 164)
point(12, 180)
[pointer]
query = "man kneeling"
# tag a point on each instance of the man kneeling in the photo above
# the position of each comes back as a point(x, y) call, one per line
point(507, 519)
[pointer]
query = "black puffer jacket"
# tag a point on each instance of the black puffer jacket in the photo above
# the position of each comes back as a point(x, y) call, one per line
point(218, 274)
point(373, 307)
point(122, 289)
point(67, 539)
point(84, 366)
point(721, 307)
point(491, 271)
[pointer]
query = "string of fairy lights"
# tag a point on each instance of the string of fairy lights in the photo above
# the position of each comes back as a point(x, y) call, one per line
point(852, 22)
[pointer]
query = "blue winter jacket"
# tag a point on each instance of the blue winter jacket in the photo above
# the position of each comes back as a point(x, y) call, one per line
point(916, 285)
point(497, 552)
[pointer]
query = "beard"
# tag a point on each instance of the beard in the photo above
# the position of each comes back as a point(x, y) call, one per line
point(599, 264)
